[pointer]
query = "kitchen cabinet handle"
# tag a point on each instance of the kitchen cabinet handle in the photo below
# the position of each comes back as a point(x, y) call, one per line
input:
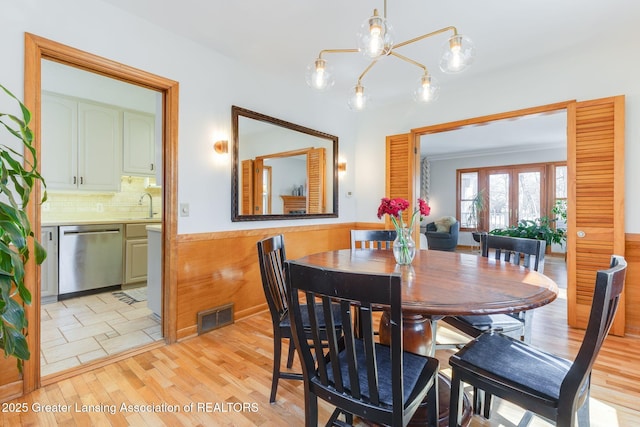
point(81, 180)
point(151, 166)
point(75, 180)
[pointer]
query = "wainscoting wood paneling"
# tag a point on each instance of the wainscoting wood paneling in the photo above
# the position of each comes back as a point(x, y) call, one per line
point(221, 268)
point(632, 284)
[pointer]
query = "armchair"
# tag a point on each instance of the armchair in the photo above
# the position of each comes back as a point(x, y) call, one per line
point(442, 240)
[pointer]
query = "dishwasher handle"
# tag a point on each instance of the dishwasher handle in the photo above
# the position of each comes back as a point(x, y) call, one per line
point(80, 233)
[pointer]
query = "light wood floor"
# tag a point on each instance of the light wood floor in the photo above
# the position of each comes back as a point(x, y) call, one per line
point(223, 378)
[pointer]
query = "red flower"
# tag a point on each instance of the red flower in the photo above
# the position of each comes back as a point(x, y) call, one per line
point(394, 208)
point(425, 209)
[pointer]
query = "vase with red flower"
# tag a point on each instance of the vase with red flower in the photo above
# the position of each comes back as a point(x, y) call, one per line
point(404, 248)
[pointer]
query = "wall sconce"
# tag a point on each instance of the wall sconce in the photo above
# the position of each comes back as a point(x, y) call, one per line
point(221, 147)
point(342, 167)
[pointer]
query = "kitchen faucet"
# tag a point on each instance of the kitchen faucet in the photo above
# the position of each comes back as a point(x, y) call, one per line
point(150, 203)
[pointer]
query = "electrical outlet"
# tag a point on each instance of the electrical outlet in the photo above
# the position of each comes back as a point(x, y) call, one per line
point(184, 209)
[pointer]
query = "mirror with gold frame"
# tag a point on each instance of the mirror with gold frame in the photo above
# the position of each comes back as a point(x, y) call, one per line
point(281, 170)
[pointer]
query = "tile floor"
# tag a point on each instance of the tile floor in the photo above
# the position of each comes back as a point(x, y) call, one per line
point(79, 330)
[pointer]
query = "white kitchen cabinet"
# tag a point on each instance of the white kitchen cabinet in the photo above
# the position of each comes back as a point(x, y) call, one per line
point(135, 253)
point(81, 144)
point(59, 142)
point(49, 268)
point(138, 155)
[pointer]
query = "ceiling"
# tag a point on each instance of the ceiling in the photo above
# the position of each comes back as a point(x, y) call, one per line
point(282, 37)
point(526, 133)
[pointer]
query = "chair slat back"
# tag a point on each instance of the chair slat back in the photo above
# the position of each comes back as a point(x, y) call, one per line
point(372, 239)
point(606, 298)
point(516, 250)
point(329, 371)
point(271, 257)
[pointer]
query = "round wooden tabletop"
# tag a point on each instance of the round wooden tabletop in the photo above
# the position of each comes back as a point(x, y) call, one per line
point(441, 283)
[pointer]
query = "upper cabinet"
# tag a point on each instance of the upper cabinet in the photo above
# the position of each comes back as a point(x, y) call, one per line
point(139, 144)
point(88, 145)
point(81, 144)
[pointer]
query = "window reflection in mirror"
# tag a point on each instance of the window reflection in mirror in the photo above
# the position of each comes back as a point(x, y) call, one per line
point(281, 170)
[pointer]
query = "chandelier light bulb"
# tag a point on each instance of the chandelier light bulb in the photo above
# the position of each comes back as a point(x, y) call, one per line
point(375, 38)
point(458, 54)
point(358, 99)
point(427, 90)
point(319, 76)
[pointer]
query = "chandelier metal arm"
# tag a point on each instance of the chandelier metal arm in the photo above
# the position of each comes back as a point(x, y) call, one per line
point(336, 51)
point(409, 60)
point(424, 36)
point(366, 70)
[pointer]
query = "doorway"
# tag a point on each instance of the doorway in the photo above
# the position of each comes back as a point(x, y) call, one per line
point(37, 49)
point(101, 154)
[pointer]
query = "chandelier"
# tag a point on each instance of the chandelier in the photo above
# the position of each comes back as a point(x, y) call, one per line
point(375, 41)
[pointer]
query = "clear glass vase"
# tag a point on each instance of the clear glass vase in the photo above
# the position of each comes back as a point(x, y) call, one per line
point(404, 248)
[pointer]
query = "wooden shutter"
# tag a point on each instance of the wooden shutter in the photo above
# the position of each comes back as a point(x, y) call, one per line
point(402, 171)
point(596, 201)
point(258, 180)
point(316, 178)
point(246, 188)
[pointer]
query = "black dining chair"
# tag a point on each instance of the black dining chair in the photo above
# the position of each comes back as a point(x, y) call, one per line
point(271, 257)
point(359, 376)
point(542, 383)
point(372, 239)
point(519, 251)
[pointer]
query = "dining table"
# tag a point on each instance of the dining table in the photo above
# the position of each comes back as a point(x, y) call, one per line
point(438, 284)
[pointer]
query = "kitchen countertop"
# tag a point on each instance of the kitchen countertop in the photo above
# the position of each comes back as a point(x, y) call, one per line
point(53, 223)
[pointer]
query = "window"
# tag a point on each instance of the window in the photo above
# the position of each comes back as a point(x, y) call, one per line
point(560, 204)
point(468, 192)
point(510, 194)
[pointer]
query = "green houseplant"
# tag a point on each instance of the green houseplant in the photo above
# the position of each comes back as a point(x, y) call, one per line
point(541, 229)
point(18, 176)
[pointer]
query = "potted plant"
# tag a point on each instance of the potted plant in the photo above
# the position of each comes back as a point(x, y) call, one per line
point(18, 176)
point(475, 213)
point(541, 229)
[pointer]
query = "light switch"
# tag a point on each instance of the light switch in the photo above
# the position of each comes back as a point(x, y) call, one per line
point(184, 209)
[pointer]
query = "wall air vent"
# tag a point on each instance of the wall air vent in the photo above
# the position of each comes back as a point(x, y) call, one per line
point(215, 318)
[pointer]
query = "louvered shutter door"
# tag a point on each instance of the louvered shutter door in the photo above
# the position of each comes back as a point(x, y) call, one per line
point(246, 198)
point(316, 178)
point(258, 165)
point(401, 172)
point(596, 201)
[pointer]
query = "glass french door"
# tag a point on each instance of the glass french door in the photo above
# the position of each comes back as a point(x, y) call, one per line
point(515, 194)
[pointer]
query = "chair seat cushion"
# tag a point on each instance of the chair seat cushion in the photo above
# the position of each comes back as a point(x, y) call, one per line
point(286, 321)
point(516, 362)
point(417, 370)
point(494, 322)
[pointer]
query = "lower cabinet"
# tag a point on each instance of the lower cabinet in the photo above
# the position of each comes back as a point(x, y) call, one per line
point(49, 268)
point(135, 253)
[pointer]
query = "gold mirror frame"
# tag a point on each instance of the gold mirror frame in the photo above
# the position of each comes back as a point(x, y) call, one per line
point(236, 114)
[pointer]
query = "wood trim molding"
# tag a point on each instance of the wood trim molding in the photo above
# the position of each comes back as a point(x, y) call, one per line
point(442, 127)
point(38, 48)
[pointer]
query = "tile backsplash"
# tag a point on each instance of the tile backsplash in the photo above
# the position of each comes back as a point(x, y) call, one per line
point(124, 204)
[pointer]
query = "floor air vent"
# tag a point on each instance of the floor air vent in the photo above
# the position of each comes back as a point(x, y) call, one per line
point(215, 318)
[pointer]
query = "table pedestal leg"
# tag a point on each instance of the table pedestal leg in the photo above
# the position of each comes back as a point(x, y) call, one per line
point(417, 338)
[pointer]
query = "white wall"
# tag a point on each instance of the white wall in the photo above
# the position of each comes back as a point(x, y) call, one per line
point(606, 68)
point(209, 84)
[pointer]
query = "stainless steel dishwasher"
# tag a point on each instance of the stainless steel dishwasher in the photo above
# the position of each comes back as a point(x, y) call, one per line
point(90, 257)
